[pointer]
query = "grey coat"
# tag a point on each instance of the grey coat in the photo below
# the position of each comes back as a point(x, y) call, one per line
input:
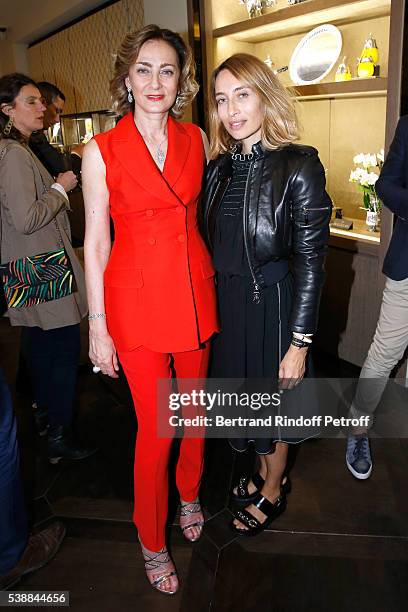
point(28, 206)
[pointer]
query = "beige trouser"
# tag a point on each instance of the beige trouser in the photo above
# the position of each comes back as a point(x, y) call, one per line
point(387, 348)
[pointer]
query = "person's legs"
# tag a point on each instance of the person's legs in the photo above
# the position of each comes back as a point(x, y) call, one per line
point(20, 553)
point(191, 365)
point(13, 518)
point(38, 351)
point(53, 356)
point(23, 380)
point(53, 360)
point(65, 347)
point(274, 464)
point(387, 348)
point(143, 368)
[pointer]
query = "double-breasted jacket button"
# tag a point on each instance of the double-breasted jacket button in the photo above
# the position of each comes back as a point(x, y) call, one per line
point(179, 210)
point(181, 238)
point(152, 241)
point(149, 212)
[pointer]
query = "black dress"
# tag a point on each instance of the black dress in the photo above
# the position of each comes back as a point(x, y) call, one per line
point(254, 337)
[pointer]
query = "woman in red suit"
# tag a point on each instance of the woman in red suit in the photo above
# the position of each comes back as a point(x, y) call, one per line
point(151, 298)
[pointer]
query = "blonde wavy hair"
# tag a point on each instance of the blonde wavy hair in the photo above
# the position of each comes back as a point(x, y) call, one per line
point(280, 125)
point(127, 55)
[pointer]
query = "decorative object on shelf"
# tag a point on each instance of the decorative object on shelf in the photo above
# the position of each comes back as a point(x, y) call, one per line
point(270, 65)
point(365, 68)
point(342, 224)
point(343, 71)
point(255, 8)
point(365, 177)
point(315, 55)
point(269, 62)
point(370, 49)
point(368, 65)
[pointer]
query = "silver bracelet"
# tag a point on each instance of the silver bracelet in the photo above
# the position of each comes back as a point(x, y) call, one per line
point(308, 338)
point(96, 315)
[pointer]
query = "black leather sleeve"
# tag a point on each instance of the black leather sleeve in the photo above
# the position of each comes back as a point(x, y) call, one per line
point(311, 211)
point(205, 214)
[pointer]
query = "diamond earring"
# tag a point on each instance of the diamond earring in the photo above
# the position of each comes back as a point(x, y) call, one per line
point(129, 96)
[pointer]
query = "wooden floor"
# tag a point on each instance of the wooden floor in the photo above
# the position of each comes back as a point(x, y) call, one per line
point(342, 544)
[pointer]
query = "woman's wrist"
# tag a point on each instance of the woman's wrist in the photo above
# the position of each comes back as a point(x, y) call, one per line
point(294, 349)
point(97, 326)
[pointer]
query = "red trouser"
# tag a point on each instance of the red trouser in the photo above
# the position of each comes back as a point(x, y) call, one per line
point(143, 368)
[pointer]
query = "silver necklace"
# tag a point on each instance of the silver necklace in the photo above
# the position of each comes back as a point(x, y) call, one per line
point(160, 155)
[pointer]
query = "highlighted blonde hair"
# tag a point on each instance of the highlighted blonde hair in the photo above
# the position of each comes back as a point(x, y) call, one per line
point(127, 55)
point(280, 125)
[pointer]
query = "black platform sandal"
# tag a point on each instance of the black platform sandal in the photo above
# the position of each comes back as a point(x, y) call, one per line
point(269, 509)
point(243, 497)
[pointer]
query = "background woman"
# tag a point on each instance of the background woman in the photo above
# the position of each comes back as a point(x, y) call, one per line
point(265, 203)
point(152, 298)
point(31, 206)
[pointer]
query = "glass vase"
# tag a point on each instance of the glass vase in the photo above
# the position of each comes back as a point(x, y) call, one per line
point(372, 220)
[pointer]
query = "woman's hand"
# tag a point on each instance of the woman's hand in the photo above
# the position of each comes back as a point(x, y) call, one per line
point(68, 180)
point(102, 352)
point(292, 367)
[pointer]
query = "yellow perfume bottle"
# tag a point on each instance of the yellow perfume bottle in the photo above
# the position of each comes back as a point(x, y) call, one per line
point(343, 71)
point(370, 49)
point(365, 68)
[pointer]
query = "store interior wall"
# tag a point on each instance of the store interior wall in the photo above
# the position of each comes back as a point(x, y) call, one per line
point(33, 20)
point(64, 58)
point(171, 15)
point(27, 21)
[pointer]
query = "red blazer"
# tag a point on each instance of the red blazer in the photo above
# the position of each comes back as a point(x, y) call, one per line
point(159, 285)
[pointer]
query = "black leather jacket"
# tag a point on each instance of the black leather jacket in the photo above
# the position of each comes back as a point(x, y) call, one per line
point(286, 215)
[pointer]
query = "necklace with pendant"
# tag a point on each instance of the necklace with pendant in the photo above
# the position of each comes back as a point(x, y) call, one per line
point(159, 155)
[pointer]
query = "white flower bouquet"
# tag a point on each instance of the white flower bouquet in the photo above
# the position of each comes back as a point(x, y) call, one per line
point(365, 177)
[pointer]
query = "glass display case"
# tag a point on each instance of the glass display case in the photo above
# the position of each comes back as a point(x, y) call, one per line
point(78, 129)
point(65, 136)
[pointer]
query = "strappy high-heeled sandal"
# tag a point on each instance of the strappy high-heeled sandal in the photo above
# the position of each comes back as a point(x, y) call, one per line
point(155, 562)
point(271, 510)
point(188, 509)
point(244, 497)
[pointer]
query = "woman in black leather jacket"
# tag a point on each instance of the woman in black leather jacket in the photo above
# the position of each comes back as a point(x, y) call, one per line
point(265, 216)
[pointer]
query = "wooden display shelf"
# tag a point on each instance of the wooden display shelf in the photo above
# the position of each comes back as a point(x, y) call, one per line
point(302, 17)
point(360, 231)
point(347, 89)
